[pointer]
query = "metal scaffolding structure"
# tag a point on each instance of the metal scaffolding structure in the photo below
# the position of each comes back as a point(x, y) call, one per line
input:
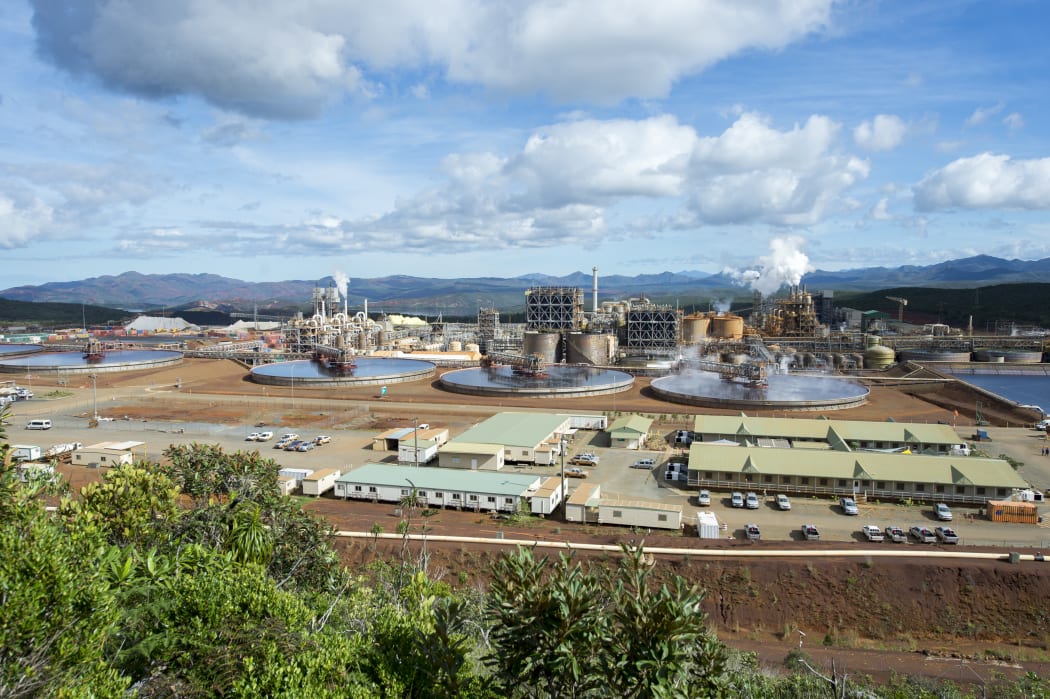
point(549, 308)
point(653, 329)
point(488, 328)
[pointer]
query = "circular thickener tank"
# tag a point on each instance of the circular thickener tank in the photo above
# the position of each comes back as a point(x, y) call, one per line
point(694, 328)
point(546, 345)
point(878, 357)
point(727, 326)
point(587, 348)
point(1011, 356)
point(935, 355)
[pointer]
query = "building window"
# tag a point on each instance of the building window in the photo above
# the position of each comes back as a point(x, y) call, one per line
point(939, 488)
point(455, 496)
point(768, 479)
point(960, 490)
point(455, 459)
point(842, 483)
point(920, 487)
point(102, 459)
point(422, 493)
point(902, 486)
point(980, 491)
point(1001, 492)
point(804, 480)
point(661, 518)
point(357, 488)
point(439, 495)
point(508, 501)
point(823, 481)
point(880, 485)
point(490, 499)
point(729, 476)
point(404, 491)
point(472, 498)
point(617, 513)
point(524, 452)
point(371, 489)
point(709, 475)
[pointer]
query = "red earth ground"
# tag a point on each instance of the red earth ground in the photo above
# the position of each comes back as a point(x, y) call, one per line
point(969, 622)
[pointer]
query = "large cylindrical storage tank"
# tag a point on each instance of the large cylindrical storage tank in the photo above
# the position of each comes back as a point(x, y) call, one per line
point(455, 346)
point(1017, 356)
point(587, 348)
point(694, 328)
point(878, 357)
point(383, 338)
point(727, 326)
point(544, 344)
point(472, 347)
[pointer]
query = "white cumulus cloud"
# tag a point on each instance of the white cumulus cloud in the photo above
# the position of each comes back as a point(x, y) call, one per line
point(986, 181)
point(288, 60)
point(884, 132)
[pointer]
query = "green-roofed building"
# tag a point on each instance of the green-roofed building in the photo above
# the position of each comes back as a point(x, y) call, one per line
point(531, 438)
point(841, 435)
point(875, 475)
point(629, 431)
point(439, 487)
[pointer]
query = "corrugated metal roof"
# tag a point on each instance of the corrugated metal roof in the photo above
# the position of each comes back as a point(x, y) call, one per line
point(431, 478)
point(835, 431)
point(904, 468)
point(631, 423)
point(323, 473)
point(584, 493)
point(515, 429)
point(458, 447)
point(637, 504)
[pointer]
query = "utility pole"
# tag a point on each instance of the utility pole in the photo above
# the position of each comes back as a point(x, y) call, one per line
point(415, 442)
point(564, 447)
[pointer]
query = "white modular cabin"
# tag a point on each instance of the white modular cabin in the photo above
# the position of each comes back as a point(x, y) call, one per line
point(639, 513)
point(438, 487)
point(320, 482)
point(286, 485)
point(296, 473)
point(417, 451)
point(547, 497)
point(582, 505)
point(106, 454)
point(471, 456)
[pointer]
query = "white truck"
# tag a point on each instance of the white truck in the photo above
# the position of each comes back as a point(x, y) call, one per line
point(872, 533)
point(25, 452)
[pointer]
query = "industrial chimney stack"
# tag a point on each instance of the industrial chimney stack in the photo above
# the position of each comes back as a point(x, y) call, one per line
point(594, 271)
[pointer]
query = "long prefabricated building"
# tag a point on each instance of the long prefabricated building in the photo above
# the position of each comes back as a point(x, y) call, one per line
point(439, 487)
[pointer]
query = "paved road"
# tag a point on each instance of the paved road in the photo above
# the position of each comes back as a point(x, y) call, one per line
point(352, 448)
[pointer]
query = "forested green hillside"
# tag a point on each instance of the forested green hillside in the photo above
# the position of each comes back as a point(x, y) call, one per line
point(63, 315)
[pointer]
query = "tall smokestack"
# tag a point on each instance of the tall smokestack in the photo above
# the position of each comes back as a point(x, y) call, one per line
point(366, 309)
point(594, 271)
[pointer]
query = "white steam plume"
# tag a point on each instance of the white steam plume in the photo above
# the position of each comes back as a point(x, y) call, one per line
point(785, 264)
point(341, 282)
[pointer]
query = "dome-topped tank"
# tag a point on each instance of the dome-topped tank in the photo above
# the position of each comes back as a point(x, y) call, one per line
point(878, 356)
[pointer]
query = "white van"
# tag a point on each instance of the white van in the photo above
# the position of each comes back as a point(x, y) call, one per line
point(39, 424)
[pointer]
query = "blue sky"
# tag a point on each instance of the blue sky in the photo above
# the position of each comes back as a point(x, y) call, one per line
point(269, 140)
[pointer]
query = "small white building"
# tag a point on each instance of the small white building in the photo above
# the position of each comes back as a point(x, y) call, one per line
point(286, 485)
point(639, 513)
point(297, 474)
point(472, 456)
point(707, 526)
point(582, 505)
point(547, 497)
point(416, 451)
point(439, 487)
point(629, 432)
point(36, 472)
point(107, 454)
point(320, 482)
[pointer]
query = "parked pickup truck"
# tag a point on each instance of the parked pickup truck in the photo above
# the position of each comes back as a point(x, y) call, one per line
point(872, 533)
point(752, 532)
point(810, 532)
point(896, 535)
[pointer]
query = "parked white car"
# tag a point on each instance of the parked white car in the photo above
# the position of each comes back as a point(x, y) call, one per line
point(943, 512)
point(783, 503)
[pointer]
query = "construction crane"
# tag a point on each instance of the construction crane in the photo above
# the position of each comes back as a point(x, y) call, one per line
point(900, 307)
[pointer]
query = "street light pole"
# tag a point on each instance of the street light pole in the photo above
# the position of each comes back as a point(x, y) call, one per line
point(415, 442)
point(564, 447)
point(94, 395)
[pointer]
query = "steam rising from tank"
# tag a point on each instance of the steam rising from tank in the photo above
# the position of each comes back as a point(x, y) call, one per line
point(785, 264)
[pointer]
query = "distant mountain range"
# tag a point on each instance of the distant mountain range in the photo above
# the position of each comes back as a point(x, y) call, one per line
point(400, 293)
